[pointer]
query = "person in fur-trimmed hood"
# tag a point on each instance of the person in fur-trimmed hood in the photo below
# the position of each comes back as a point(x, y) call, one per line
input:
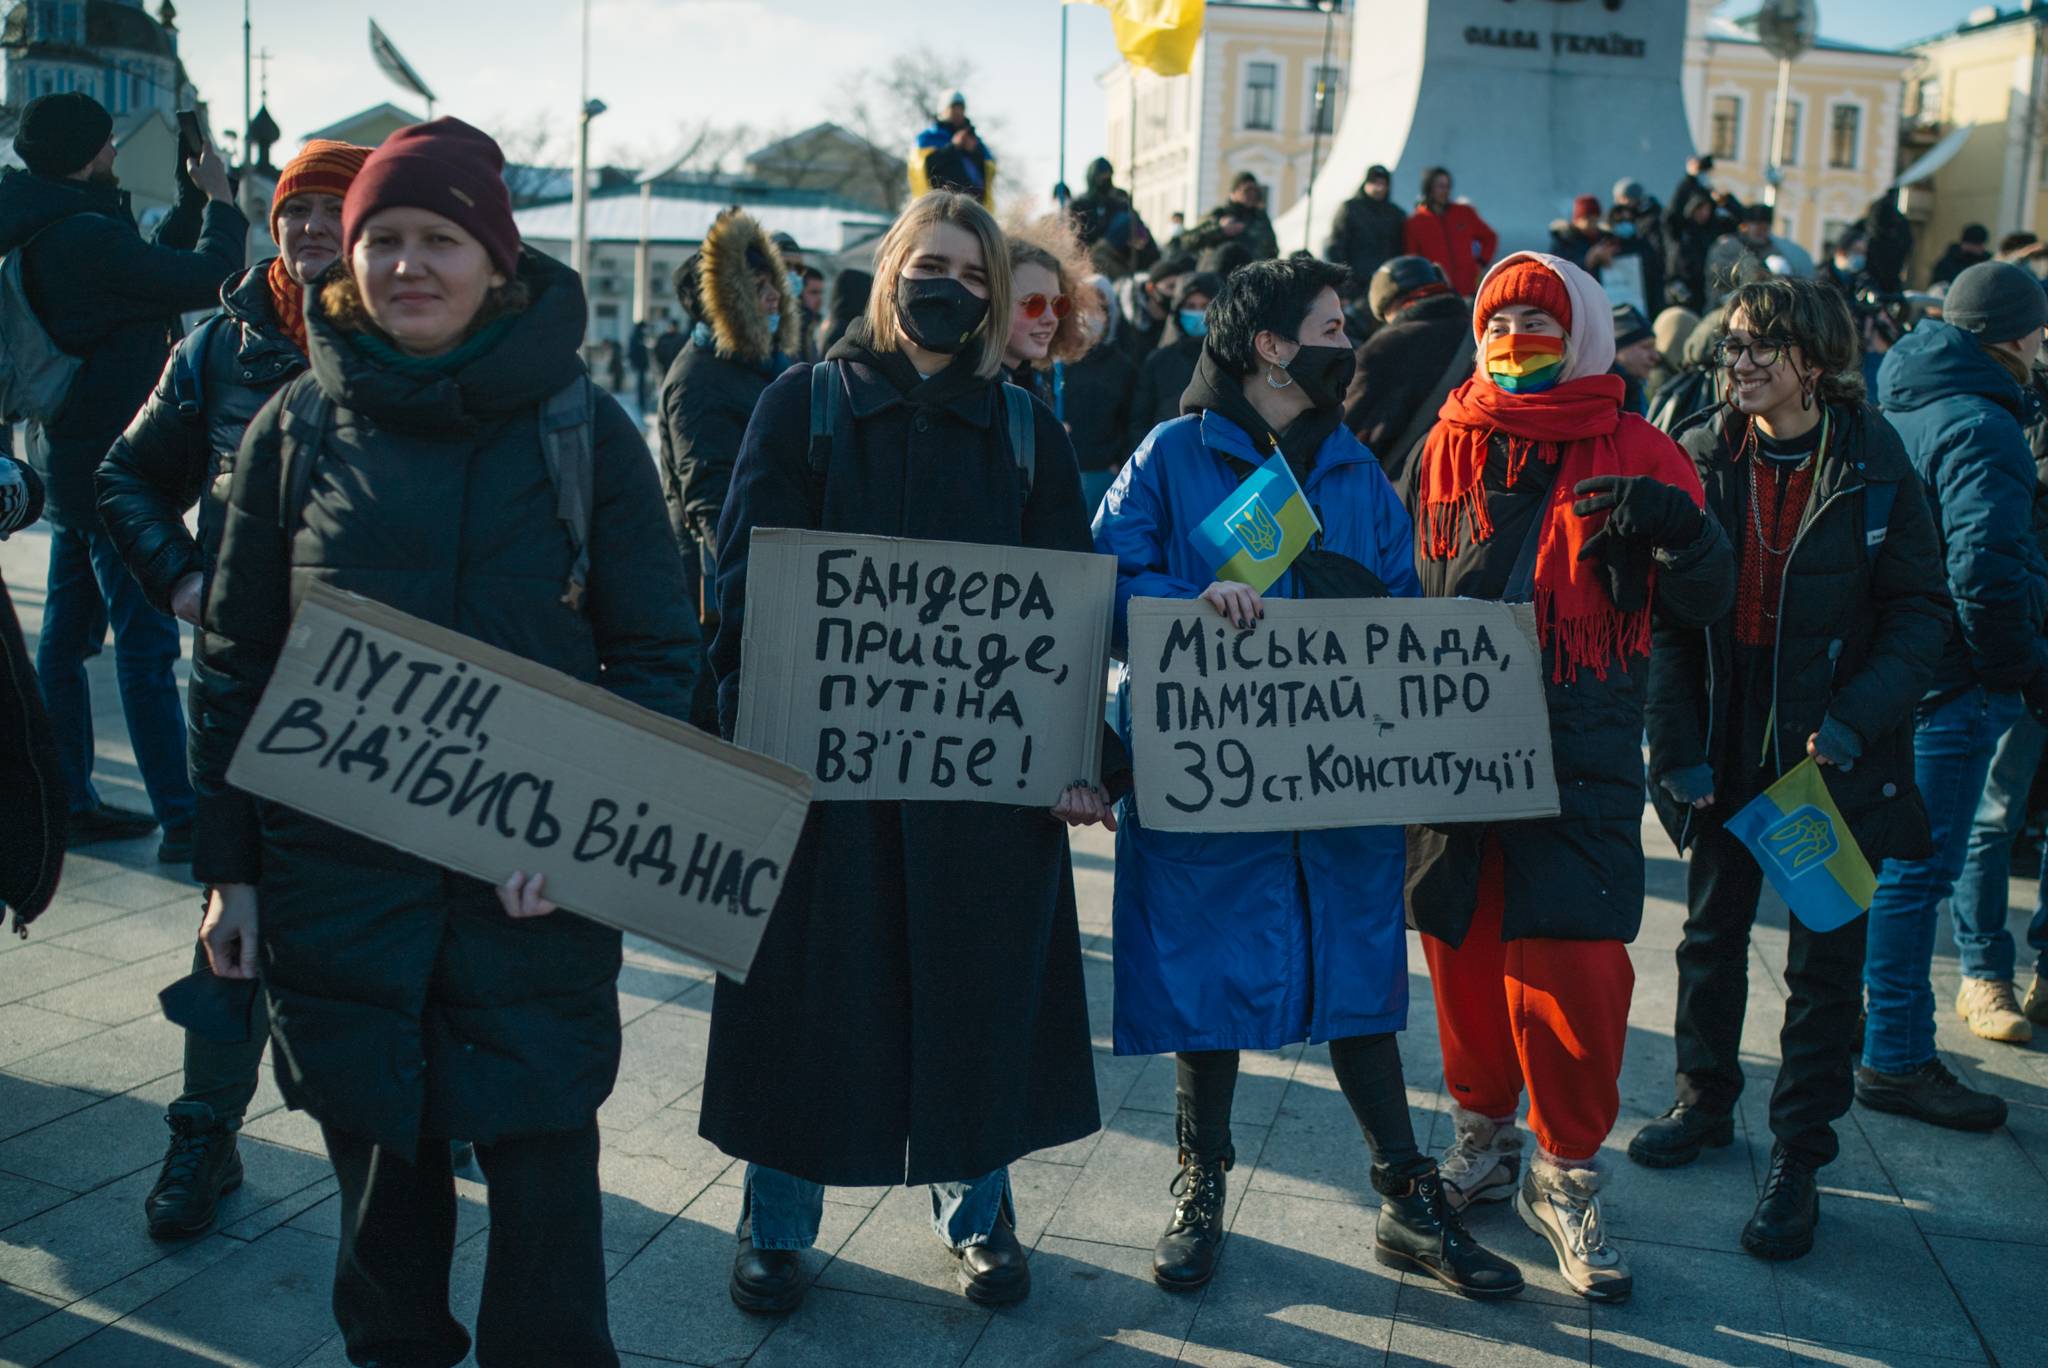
point(736, 288)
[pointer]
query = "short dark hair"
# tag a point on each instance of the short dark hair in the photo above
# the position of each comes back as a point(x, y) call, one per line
point(1266, 296)
point(1242, 179)
point(1976, 234)
point(2012, 242)
point(1430, 174)
point(811, 273)
point(1816, 318)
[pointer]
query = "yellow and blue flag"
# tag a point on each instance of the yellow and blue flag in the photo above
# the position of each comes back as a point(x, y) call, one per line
point(1159, 35)
point(1255, 533)
point(1798, 837)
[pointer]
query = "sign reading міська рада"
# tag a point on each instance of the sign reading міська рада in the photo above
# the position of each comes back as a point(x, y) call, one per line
point(1338, 712)
point(889, 668)
point(487, 763)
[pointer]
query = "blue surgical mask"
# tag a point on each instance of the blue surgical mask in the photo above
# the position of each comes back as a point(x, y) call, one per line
point(1854, 262)
point(774, 324)
point(1194, 323)
point(1624, 229)
point(796, 285)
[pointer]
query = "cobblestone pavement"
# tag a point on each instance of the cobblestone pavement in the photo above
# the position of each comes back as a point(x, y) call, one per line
point(1933, 1249)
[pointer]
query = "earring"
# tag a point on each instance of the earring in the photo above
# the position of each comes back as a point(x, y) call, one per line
point(1806, 395)
point(1278, 370)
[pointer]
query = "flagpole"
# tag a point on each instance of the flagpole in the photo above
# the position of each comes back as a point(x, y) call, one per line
point(579, 192)
point(248, 115)
point(1063, 101)
point(1315, 153)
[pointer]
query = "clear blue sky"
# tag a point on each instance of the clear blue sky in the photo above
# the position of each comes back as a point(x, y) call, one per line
point(773, 64)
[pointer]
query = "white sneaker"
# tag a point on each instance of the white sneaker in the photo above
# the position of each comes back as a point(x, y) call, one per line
point(1563, 1206)
point(1484, 1161)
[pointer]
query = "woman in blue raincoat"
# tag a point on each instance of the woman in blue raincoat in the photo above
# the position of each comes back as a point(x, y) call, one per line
point(1227, 942)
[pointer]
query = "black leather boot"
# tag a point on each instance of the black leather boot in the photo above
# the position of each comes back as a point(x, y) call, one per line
point(1789, 1209)
point(1677, 1137)
point(200, 1168)
point(1419, 1231)
point(996, 1272)
point(1185, 1257)
point(766, 1281)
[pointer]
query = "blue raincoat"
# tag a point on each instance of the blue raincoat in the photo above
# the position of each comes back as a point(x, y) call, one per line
point(1250, 940)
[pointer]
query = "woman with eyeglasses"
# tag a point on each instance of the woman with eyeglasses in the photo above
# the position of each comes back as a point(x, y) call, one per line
point(915, 1012)
point(1838, 620)
point(1258, 940)
point(1535, 487)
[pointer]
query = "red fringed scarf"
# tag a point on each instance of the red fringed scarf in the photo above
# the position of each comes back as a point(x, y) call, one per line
point(288, 302)
point(1579, 428)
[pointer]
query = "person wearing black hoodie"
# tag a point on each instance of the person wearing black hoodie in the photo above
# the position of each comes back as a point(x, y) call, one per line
point(110, 298)
point(1422, 351)
point(1369, 228)
point(1166, 370)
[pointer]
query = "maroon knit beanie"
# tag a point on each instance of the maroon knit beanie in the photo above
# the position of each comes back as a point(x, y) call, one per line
point(448, 168)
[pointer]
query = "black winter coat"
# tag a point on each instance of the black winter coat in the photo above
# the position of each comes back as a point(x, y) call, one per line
point(1861, 629)
point(1366, 232)
point(405, 1003)
point(1162, 376)
point(168, 460)
point(1579, 875)
point(915, 1012)
point(1097, 403)
point(32, 836)
point(1398, 369)
point(706, 400)
point(107, 296)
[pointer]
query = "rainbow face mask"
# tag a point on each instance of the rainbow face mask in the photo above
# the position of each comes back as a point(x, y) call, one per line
point(1525, 363)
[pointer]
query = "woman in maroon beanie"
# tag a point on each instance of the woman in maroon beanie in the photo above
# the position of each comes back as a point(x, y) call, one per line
point(410, 1004)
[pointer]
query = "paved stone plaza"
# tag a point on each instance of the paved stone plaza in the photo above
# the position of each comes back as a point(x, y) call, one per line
point(1933, 1249)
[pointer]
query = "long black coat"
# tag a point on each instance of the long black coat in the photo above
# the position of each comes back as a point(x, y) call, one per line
point(1579, 875)
point(169, 460)
point(1098, 405)
point(405, 1003)
point(109, 297)
point(915, 1012)
point(1162, 377)
point(1365, 233)
point(1861, 632)
point(1398, 368)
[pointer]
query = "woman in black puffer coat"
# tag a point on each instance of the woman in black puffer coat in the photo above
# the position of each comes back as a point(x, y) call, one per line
point(411, 1004)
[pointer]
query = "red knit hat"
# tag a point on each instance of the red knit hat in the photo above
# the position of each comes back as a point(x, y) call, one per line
point(448, 168)
point(1586, 206)
point(1527, 283)
point(323, 167)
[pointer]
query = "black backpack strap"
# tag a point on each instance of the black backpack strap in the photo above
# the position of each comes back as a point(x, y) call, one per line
point(188, 367)
point(568, 442)
point(1522, 578)
point(303, 428)
point(1023, 433)
point(828, 422)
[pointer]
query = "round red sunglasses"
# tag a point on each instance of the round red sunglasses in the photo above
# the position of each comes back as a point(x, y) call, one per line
point(1034, 305)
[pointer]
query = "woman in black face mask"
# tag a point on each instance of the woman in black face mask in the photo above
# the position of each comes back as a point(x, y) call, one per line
point(915, 1011)
point(1259, 940)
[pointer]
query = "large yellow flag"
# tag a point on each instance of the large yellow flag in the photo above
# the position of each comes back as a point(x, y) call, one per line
point(1159, 35)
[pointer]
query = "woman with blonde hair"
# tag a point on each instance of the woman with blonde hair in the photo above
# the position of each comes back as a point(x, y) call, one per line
point(1052, 317)
point(916, 1011)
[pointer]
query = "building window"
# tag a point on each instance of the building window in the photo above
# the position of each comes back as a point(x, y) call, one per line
point(1261, 93)
point(1927, 98)
point(1725, 142)
point(1788, 150)
point(1845, 137)
point(1322, 118)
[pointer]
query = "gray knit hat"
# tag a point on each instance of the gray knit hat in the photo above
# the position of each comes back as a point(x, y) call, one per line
point(1997, 301)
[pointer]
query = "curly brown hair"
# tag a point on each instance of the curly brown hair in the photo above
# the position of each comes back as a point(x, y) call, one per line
point(341, 300)
point(1813, 317)
point(1051, 242)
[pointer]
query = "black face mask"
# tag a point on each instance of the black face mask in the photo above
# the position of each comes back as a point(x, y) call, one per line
point(1323, 373)
point(938, 312)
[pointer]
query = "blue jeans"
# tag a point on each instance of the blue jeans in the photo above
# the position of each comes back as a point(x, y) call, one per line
point(89, 588)
point(1980, 905)
point(785, 1209)
point(1952, 746)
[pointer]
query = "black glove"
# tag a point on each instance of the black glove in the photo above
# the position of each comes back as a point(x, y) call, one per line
point(1639, 509)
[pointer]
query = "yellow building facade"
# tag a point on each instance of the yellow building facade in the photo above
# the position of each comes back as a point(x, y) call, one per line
point(1248, 103)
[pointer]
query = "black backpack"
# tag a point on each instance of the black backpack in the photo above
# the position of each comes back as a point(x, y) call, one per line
point(829, 426)
point(567, 440)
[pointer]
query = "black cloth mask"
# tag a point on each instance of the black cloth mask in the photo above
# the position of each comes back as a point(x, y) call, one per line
point(1323, 373)
point(938, 312)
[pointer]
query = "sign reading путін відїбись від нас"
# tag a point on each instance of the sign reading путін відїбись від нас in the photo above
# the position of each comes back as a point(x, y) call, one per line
point(486, 763)
point(889, 668)
point(1338, 712)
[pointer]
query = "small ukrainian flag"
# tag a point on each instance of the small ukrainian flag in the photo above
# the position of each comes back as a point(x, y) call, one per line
point(1798, 837)
point(1255, 533)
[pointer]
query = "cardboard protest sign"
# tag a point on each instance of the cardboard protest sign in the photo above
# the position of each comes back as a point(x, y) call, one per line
point(888, 668)
point(1339, 712)
point(478, 760)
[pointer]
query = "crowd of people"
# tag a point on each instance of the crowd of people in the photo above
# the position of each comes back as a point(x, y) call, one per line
point(1784, 565)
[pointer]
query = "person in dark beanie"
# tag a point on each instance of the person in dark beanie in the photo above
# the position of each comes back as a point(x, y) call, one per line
point(410, 1004)
point(173, 456)
point(1369, 228)
point(1831, 640)
point(736, 288)
point(1168, 367)
point(1421, 352)
point(1957, 390)
point(108, 297)
point(1635, 356)
point(1973, 246)
point(848, 301)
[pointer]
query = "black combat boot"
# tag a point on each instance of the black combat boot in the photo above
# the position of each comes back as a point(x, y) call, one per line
point(766, 1281)
point(1789, 1209)
point(200, 1168)
point(1677, 1137)
point(1419, 1231)
point(1185, 1257)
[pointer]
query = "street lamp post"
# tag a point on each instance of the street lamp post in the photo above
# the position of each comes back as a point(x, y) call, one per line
point(1315, 154)
point(1786, 29)
point(642, 253)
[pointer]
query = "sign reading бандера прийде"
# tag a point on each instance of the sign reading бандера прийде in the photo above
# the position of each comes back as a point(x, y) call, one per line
point(1338, 712)
point(486, 763)
point(898, 669)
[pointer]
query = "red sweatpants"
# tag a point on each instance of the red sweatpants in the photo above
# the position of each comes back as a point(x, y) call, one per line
point(1549, 1013)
